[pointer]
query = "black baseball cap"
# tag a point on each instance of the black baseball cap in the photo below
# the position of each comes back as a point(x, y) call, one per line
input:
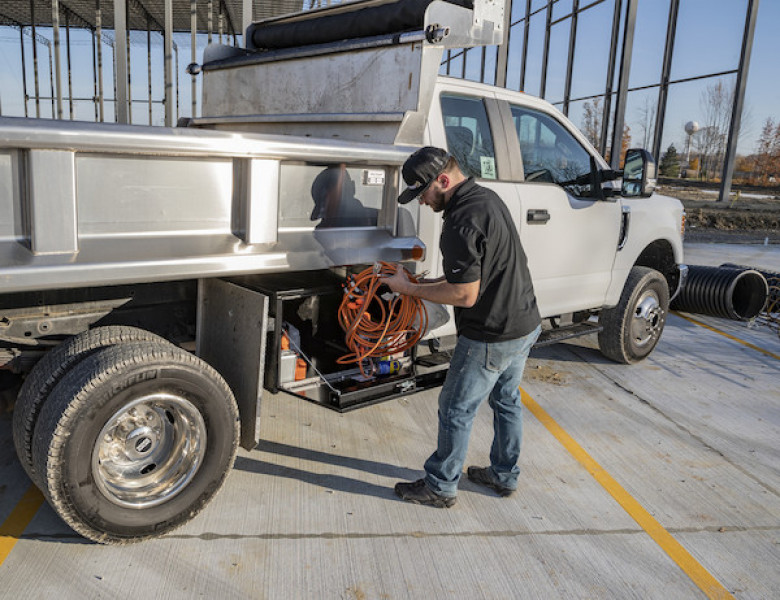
point(420, 170)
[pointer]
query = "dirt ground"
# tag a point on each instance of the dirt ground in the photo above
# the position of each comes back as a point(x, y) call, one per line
point(747, 218)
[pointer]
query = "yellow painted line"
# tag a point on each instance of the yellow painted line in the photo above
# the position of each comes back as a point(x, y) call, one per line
point(18, 520)
point(724, 334)
point(690, 566)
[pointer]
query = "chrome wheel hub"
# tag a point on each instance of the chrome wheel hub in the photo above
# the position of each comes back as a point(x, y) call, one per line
point(149, 450)
point(647, 321)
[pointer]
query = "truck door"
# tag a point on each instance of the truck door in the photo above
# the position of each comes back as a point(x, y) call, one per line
point(570, 238)
point(460, 123)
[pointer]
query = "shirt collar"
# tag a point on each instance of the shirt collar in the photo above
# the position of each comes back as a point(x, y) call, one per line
point(459, 195)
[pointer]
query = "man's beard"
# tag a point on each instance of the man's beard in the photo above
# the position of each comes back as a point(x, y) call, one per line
point(438, 202)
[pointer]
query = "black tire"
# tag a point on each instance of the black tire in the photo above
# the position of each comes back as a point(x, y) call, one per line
point(47, 373)
point(633, 327)
point(135, 440)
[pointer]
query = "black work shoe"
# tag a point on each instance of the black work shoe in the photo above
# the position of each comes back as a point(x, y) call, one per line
point(419, 493)
point(483, 476)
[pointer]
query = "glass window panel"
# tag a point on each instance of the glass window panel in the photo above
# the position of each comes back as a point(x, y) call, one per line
point(518, 10)
point(455, 65)
point(641, 110)
point(710, 45)
point(491, 54)
point(587, 115)
point(533, 70)
point(705, 102)
point(515, 56)
point(591, 54)
point(474, 64)
point(537, 4)
point(468, 135)
point(562, 8)
point(649, 41)
point(762, 91)
point(558, 58)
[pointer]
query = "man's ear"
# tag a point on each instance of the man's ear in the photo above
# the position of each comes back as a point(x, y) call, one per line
point(444, 181)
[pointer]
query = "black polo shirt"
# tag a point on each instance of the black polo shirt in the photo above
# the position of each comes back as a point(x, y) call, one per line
point(479, 241)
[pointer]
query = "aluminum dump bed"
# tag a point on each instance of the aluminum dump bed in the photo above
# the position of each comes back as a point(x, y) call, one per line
point(93, 205)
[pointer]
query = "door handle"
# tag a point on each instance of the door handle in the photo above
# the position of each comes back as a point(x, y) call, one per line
point(537, 215)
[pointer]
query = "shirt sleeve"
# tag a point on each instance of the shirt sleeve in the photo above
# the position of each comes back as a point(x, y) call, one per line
point(463, 249)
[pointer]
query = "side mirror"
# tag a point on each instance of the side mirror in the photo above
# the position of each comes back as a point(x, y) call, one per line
point(639, 174)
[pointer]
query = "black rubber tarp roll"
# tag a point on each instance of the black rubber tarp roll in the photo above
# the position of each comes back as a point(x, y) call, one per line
point(738, 294)
point(395, 17)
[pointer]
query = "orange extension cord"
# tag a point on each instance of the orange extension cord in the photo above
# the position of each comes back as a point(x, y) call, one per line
point(397, 324)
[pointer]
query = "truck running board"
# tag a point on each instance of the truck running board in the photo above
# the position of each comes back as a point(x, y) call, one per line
point(553, 336)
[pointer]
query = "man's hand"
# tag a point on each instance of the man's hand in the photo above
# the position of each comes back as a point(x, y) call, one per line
point(398, 282)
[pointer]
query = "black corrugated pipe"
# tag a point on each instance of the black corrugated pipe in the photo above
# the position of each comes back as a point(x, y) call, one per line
point(772, 278)
point(738, 294)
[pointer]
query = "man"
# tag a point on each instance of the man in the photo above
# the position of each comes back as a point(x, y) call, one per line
point(486, 279)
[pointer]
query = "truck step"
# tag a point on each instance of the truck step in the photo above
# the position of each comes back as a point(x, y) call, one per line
point(553, 336)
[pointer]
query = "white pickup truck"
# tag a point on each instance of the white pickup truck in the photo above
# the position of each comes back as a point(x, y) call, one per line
point(153, 282)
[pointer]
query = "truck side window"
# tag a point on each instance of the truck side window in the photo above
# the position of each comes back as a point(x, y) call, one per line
point(468, 135)
point(550, 152)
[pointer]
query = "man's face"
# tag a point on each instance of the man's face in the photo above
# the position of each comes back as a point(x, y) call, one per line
point(433, 197)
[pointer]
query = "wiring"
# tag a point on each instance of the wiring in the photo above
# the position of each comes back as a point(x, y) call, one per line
point(378, 326)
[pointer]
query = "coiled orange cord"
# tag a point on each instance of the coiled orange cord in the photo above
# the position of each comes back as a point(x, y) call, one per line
point(396, 325)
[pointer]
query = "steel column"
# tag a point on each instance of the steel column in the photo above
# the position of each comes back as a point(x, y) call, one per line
point(220, 21)
point(95, 43)
point(525, 43)
point(663, 90)
point(502, 53)
point(120, 60)
point(176, 52)
point(99, 36)
point(168, 53)
point(546, 52)
point(67, 58)
point(193, 56)
point(570, 61)
point(739, 100)
point(210, 12)
point(51, 84)
point(24, 67)
point(55, 23)
point(35, 63)
point(129, 70)
point(246, 18)
point(610, 77)
point(149, 64)
point(622, 95)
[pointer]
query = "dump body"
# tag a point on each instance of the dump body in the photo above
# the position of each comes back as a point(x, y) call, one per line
point(91, 205)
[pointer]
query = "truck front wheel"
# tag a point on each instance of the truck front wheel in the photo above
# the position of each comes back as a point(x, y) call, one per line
point(632, 329)
point(135, 440)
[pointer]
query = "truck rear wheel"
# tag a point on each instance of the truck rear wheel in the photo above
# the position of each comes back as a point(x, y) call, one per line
point(633, 327)
point(47, 373)
point(135, 440)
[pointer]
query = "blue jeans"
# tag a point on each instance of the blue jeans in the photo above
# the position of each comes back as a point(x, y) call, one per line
point(476, 370)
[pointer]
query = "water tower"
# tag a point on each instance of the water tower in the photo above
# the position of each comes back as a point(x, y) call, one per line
point(691, 127)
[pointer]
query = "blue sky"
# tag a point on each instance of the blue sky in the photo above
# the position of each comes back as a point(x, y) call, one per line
point(708, 40)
